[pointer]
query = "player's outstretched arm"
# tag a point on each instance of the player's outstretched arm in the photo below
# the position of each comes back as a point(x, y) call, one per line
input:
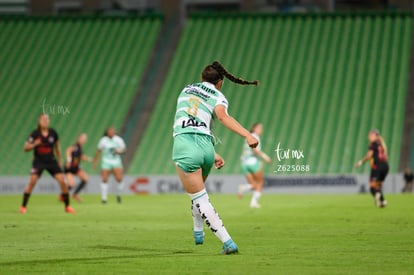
point(232, 124)
point(69, 156)
point(30, 146)
point(86, 158)
point(58, 153)
point(367, 157)
point(262, 155)
point(96, 158)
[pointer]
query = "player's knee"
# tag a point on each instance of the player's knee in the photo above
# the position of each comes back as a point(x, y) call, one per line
point(119, 178)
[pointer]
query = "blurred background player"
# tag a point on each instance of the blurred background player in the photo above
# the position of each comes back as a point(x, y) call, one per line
point(193, 150)
point(378, 157)
point(74, 155)
point(408, 179)
point(44, 142)
point(252, 167)
point(111, 146)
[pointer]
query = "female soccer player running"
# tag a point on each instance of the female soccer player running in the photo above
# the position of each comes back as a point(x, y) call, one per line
point(74, 155)
point(193, 150)
point(44, 142)
point(111, 146)
point(253, 168)
point(378, 157)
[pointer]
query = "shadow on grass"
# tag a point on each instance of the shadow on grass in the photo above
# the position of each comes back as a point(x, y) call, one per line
point(141, 252)
point(138, 249)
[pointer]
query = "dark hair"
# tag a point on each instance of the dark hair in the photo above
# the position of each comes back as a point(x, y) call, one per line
point(107, 130)
point(254, 126)
point(215, 72)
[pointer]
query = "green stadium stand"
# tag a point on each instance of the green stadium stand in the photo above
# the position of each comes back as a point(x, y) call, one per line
point(87, 66)
point(325, 81)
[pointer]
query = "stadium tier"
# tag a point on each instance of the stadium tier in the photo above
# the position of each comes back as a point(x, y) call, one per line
point(326, 80)
point(83, 72)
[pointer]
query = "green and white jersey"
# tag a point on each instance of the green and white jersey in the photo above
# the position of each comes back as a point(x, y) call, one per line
point(195, 108)
point(248, 156)
point(108, 146)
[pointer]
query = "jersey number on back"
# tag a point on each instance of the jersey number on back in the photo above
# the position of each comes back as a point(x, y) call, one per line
point(193, 108)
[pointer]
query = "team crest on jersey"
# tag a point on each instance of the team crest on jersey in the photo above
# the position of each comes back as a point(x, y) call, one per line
point(51, 139)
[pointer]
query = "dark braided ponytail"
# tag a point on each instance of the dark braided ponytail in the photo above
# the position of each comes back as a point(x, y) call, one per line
point(215, 72)
point(220, 69)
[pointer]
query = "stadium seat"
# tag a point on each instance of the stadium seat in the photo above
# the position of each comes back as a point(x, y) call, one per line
point(326, 80)
point(83, 71)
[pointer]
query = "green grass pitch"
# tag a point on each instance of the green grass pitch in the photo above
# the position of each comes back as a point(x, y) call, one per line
point(290, 234)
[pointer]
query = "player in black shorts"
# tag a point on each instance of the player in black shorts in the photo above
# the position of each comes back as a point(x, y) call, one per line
point(74, 155)
point(378, 157)
point(44, 142)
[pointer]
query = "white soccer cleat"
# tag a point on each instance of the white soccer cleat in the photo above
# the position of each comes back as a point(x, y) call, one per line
point(255, 205)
